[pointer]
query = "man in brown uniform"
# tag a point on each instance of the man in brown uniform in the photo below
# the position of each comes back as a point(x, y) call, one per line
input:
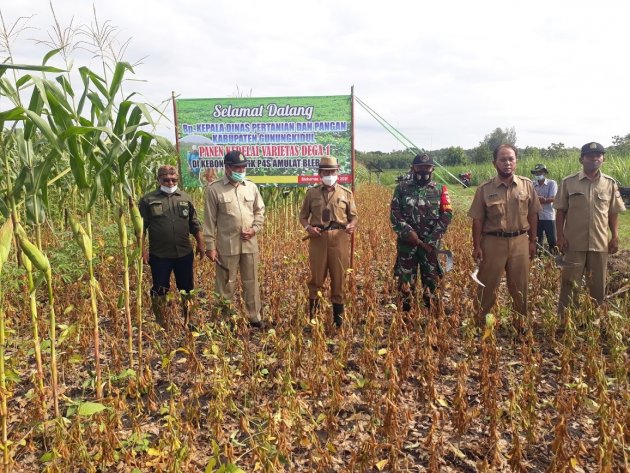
point(234, 215)
point(169, 218)
point(504, 212)
point(588, 204)
point(329, 215)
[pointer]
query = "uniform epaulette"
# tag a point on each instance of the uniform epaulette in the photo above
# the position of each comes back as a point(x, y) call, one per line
point(486, 182)
point(575, 174)
point(609, 177)
point(525, 178)
point(215, 181)
point(345, 189)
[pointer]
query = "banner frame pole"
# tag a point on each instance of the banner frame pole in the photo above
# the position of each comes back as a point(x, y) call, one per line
point(352, 168)
point(179, 161)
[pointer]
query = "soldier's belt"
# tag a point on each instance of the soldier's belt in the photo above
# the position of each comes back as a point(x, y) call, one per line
point(506, 234)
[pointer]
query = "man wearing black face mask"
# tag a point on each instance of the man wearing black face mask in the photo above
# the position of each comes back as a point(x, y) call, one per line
point(420, 213)
point(587, 204)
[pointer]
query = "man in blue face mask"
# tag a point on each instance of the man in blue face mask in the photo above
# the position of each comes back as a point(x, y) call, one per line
point(546, 190)
point(234, 215)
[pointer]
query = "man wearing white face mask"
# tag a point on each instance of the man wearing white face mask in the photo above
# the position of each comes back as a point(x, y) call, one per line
point(546, 190)
point(234, 215)
point(169, 218)
point(329, 216)
point(588, 205)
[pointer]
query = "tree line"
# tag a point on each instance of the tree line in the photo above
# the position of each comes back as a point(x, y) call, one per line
point(482, 153)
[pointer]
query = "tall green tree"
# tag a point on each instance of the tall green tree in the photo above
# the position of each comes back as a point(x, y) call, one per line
point(482, 154)
point(455, 155)
point(500, 137)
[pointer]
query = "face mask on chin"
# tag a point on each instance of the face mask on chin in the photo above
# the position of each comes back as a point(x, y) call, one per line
point(168, 190)
point(329, 180)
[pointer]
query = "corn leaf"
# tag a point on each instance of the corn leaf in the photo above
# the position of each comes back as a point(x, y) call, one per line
point(51, 54)
point(14, 114)
point(119, 73)
point(27, 67)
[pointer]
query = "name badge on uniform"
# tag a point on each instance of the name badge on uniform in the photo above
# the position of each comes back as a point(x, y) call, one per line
point(184, 209)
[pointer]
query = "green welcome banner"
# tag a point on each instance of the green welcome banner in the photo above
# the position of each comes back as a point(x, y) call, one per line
point(283, 138)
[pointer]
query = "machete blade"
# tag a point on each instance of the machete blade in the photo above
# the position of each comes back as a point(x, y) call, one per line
point(474, 277)
point(449, 259)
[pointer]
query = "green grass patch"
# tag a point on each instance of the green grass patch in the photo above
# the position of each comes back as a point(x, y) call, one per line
point(624, 230)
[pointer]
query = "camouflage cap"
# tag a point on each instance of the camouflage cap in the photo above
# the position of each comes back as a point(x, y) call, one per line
point(592, 148)
point(423, 159)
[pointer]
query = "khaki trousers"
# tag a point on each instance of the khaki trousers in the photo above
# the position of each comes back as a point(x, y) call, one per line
point(247, 264)
point(509, 255)
point(329, 254)
point(592, 264)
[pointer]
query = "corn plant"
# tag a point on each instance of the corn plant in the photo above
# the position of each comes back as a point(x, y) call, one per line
point(6, 234)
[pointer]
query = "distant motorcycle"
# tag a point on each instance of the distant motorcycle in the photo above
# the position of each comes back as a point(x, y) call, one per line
point(465, 177)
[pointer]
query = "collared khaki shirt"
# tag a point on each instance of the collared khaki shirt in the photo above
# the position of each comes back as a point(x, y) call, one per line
point(340, 203)
point(505, 208)
point(228, 210)
point(587, 204)
point(170, 219)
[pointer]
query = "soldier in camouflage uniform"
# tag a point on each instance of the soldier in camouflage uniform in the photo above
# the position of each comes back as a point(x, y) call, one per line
point(420, 213)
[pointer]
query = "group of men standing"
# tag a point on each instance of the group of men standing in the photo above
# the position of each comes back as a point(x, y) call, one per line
point(510, 215)
point(233, 217)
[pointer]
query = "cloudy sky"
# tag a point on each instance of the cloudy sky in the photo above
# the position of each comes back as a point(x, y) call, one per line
point(443, 73)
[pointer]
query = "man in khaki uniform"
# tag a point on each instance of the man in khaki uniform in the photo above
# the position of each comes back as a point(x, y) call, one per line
point(234, 215)
point(505, 213)
point(587, 204)
point(329, 215)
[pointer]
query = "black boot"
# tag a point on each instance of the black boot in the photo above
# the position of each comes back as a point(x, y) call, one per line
point(158, 305)
point(405, 292)
point(406, 304)
point(338, 314)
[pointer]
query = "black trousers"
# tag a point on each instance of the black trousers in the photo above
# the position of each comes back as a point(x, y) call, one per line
point(161, 269)
point(548, 228)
